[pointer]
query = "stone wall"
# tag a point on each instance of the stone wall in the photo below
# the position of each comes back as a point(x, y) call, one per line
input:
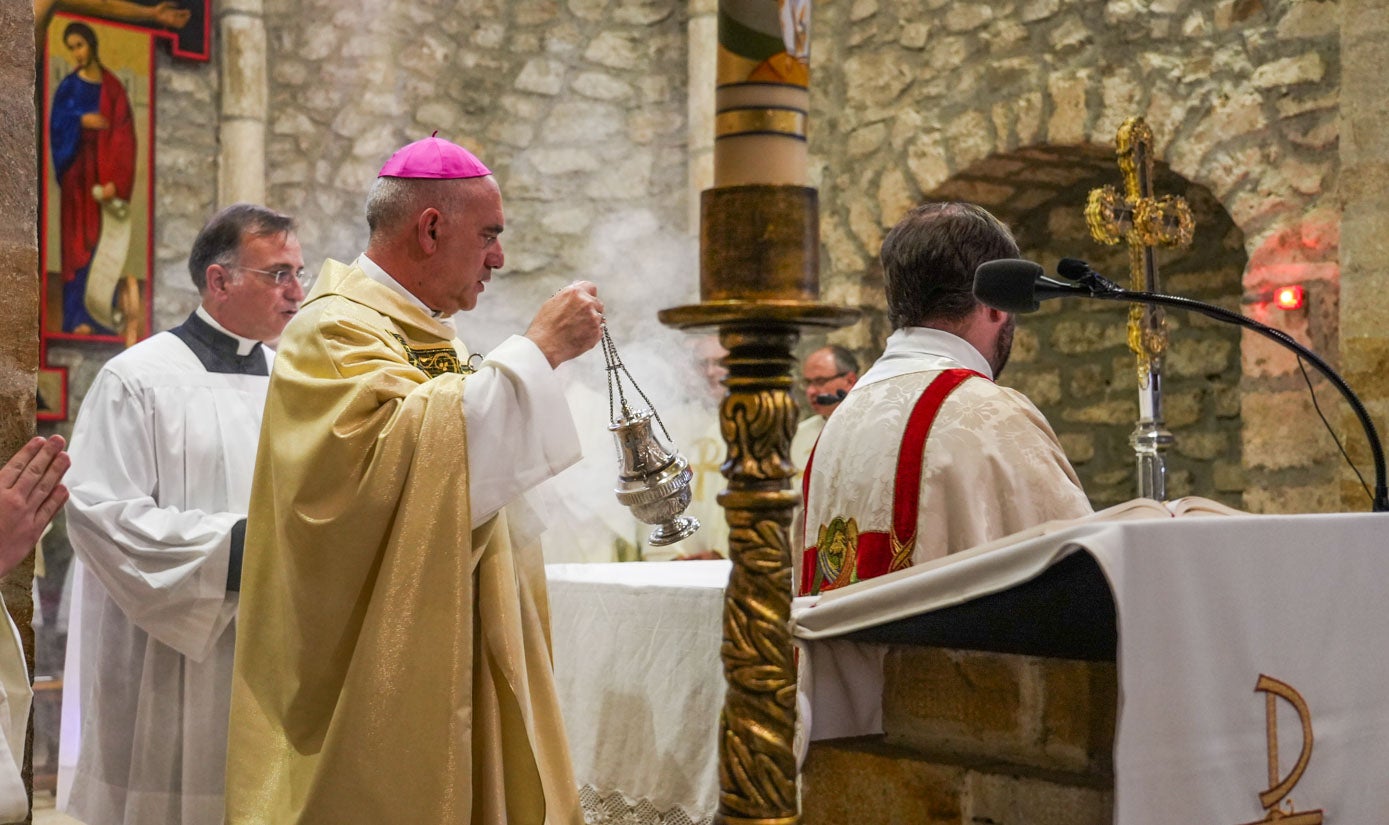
point(1364, 236)
point(975, 737)
point(19, 262)
point(579, 107)
point(1241, 95)
point(1072, 357)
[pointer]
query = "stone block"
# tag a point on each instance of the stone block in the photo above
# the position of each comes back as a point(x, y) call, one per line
point(542, 76)
point(1071, 36)
point(1107, 412)
point(1183, 409)
point(970, 139)
point(1033, 11)
point(647, 125)
point(1226, 399)
point(489, 34)
point(1079, 447)
point(1290, 71)
point(1206, 357)
point(1121, 96)
point(1000, 799)
point(846, 257)
point(877, 78)
point(914, 35)
point(1069, 109)
point(560, 161)
point(1282, 431)
point(1365, 362)
point(1025, 345)
point(1087, 380)
point(866, 140)
point(577, 122)
point(1027, 118)
point(588, 9)
point(642, 12)
point(1310, 19)
point(1228, 477)
point(1079, 337)
point(964, 17)
point(615, 51)
point(861, 781)
point(931, 695)
point(1042, 386)
point(1203, 446)
point(896, 196)
point(866, 225)
point(601, 86)
point(630, 179)
point(1261, 357)
point(862, 10)
point(1286, 498)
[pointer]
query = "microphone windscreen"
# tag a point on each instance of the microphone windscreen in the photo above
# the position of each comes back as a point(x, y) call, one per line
point(1009, 284)
point(1072, 268)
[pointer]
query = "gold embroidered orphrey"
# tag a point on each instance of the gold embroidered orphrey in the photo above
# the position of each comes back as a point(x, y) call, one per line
point(1278, 789)
point(838, 552)
point(1145, 221)
point(434, 361)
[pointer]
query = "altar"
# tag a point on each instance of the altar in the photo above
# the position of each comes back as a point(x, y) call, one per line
point(1250, 677)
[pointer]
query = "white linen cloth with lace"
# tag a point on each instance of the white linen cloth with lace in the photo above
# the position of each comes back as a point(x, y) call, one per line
point(640, 685)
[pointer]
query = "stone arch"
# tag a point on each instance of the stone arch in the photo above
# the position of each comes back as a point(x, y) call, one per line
point(1072, 358)
point(1242, 98)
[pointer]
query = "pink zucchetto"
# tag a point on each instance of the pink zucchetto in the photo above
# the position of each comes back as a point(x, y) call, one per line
point(434, 158)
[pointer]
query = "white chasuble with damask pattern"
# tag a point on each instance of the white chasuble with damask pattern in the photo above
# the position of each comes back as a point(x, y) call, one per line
point(990, 466)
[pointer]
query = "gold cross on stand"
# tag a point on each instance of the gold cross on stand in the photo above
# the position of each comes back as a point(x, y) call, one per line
point(1145, 222)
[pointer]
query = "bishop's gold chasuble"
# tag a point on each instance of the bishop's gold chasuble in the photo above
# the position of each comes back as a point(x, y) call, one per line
point(393, 658)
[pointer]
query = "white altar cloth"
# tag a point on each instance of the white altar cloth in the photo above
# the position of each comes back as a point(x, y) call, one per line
point(640, 681)
point(1205, 607)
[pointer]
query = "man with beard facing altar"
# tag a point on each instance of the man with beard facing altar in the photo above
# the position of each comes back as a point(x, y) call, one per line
point(393, 654)
point(926, 455)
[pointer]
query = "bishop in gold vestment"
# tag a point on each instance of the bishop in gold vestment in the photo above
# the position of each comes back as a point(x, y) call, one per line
point(393, 654)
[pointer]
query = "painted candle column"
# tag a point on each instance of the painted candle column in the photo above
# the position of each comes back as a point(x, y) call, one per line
point(759, 284)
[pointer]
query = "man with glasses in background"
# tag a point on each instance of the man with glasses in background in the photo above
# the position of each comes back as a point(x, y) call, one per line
point(829, 373)
point(162, 454)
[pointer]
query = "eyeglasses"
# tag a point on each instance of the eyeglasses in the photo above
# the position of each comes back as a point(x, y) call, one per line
point(283, 276)
point(820, 382)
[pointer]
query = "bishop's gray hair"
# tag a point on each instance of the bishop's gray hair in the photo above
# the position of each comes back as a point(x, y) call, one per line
point(392, 201)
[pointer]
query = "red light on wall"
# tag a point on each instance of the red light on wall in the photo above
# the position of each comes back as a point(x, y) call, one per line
point(1289, 297)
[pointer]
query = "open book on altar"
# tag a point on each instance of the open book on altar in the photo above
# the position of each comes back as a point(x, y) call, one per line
point(1132, 510)
point(1151, 508)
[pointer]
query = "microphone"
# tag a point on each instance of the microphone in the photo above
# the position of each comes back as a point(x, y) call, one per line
point(1015, 285)
point(828, 399)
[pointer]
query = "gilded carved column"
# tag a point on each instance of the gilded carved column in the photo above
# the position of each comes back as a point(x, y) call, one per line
point(759, 284)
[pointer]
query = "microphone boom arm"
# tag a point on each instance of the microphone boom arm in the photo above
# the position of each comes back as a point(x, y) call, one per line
point(1106, 290)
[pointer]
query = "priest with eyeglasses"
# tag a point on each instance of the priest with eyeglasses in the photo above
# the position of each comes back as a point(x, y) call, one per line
point(162, 454)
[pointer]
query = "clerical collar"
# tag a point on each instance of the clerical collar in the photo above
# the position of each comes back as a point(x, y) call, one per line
point(374, 271)
point(243, 345)
point(218, 350)
point(907, 347)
